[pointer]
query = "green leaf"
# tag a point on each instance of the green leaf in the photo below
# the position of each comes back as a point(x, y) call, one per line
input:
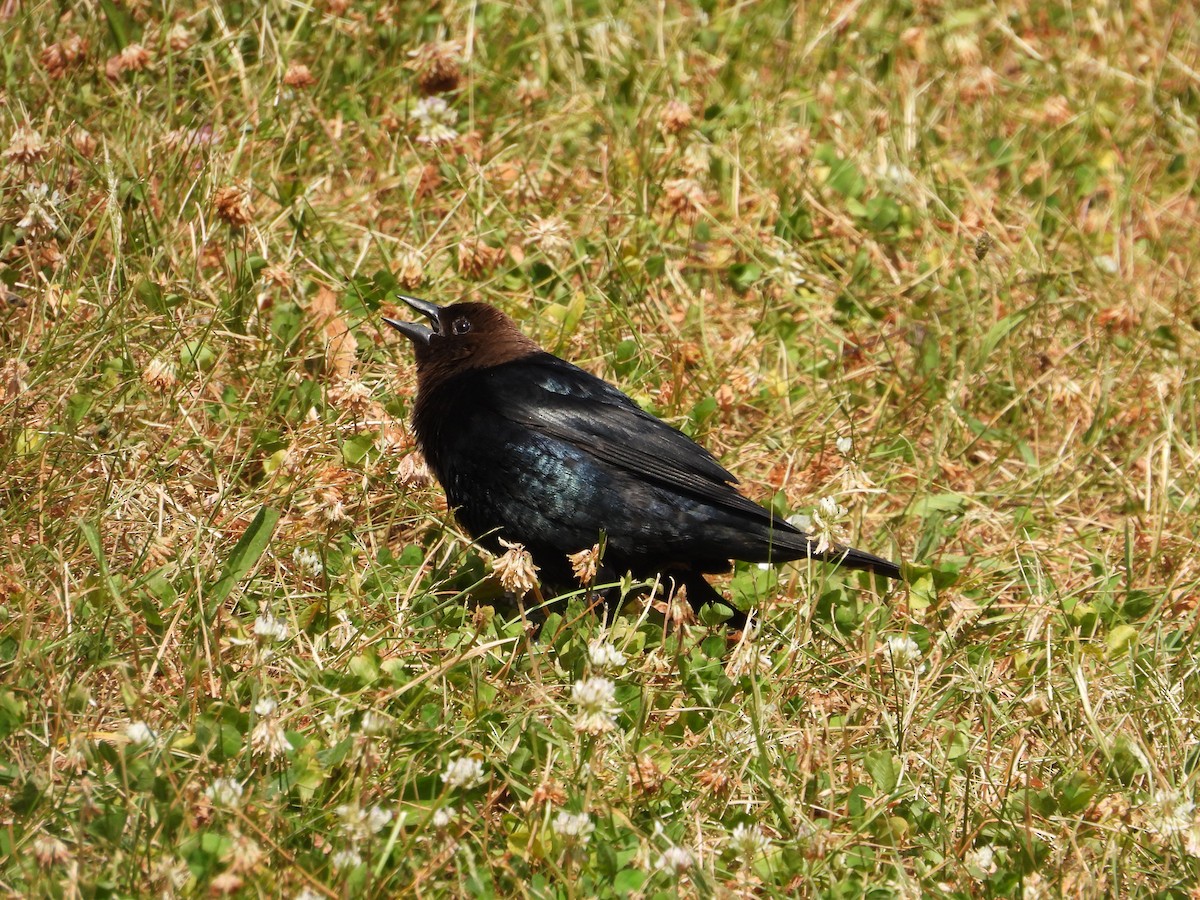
point(744, 275)
point(1121, 640)
point(954, 504)
point(845, 178)
point(627, 881)
point(12, 713)
point(245, 554)
point(120, 23)
point(713, 614)
point(356, 449)
point(77, 407)
point(922, 592)
point(111, 585)
point(1127, 760)
point(958, 745)
point(999, 332)
point(197, 354)
point(1074, 793)
point(884, 770)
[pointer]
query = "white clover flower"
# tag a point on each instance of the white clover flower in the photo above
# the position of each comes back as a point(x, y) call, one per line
point(824, 520)
point(893, 177)
point(332, 508)
point(308, 562)
point(41, 216)
point(377, 817)
point(269, 628)
point(265, 707)
point(435, 121)
point(374, 724)
point(530, 90)
point(609, 38)
point(308, 893)
point(346, 859)
point(444, 816)
point(551, 236)
point(982, 858)
point(595, 699)
point(1191, 843)
point(268, 739)
point(843, 445)
point(573, 826)
point(353, 394)
point(675, 860)
point(1170, 812)
point(604, 656)
point(27, 147)
point(902, 652)
point(359, 824)
point(697, 159)
point(463, 772)
point(49, 851)
point(225, 792)
point(748, 841)
point(1036, 887)
point(829, 508)
point(160, 374)
point(140, 733)
point(789, 268)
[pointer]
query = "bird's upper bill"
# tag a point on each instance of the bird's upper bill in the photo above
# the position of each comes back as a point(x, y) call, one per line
point(459, 337)
point(415, 332)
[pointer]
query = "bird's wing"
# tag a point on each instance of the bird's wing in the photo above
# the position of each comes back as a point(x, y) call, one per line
point(571, 405)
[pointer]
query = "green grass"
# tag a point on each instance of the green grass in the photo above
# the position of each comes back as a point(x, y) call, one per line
point(963, 237)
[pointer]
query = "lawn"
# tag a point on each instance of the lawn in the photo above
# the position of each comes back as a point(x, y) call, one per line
point(927, 269)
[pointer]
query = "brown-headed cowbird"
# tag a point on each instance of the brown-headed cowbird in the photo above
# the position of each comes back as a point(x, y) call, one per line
point(534, 450)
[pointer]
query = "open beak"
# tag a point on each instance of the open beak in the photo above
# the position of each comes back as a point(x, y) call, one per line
point(418, 334)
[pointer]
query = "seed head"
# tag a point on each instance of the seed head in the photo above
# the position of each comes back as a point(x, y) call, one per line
point(179, 38)
point(515, 569)
point(683, 197)
point(160, 375)
point(438, 66)
point(298, 76)
point(410, 269)
point(234, 206)
point(476, 259)
point(676, 117)
point(134, 58)
point(585, 563)
point(26, 147)
point(69, 52)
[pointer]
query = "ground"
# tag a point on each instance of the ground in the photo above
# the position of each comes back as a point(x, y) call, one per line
point(925, 270)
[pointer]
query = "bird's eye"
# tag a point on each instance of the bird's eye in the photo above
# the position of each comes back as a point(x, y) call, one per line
point(461, 325)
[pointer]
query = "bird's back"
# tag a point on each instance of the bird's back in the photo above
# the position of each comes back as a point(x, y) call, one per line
point(547, 454)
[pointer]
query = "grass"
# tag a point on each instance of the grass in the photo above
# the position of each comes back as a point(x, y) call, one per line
point(243, 647)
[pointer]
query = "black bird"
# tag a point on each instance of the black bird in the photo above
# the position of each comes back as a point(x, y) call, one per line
point(535, 450)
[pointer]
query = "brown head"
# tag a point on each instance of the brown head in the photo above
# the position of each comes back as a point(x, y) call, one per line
point(461, 337)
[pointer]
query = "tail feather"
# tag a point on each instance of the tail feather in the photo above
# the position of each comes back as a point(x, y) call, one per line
point(852, 558)
point(788, 542)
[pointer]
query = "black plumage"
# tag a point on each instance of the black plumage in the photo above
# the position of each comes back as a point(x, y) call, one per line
point(533, 449)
